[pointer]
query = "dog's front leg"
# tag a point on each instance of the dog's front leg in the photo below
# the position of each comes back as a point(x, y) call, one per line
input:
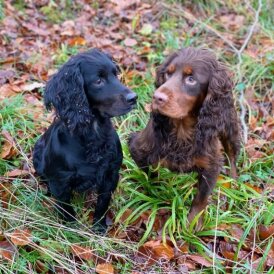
point(104, 196)
point(62, 193)
point(206, 181)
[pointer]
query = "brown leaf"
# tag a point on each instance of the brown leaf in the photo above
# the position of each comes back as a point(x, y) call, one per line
point(40, 266)
point(157, 250)
point(32, 86)
point(7, 250)
point(185, 265)
point(105, 268)
point(17, 173)
point(77, 41)
point(5, 75)
point(266, 231)
point(82, 252)
point(200, 260)
point(254, 147)
point(236, 231)
point(163, 251)
point(20, 237)
point(36, 29)
point(6, 194)
point(125, 215)
point(184, 248)
point(227, 250)
point(130, 42)
point(253, 123)
point(256, 188)
point(270, 121)
point(226, 182)
point(8, 148)
point(8, 90)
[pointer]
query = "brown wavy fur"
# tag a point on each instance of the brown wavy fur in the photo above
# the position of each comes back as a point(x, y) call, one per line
point(193, 142)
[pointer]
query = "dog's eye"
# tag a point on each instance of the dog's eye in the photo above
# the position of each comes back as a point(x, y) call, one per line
point(190, 80)
point(98, 82)
point(167, 74)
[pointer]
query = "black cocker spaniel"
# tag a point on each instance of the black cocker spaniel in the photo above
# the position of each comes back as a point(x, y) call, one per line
point(81, 149)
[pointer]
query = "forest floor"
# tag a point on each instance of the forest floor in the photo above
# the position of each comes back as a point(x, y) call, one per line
point(147, 218)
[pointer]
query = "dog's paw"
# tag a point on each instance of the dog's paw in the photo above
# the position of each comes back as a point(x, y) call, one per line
point(67, 214)
point(99, 228)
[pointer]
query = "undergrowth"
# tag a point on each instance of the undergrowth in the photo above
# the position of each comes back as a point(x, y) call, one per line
point(25, 204)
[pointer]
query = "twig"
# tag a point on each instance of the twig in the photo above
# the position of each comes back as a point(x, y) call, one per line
point(253, 247)
point(215, 233)
point(242, 100)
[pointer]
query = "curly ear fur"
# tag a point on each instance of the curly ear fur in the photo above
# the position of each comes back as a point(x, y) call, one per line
point(65, 91)
point(160, 72)
point(217, 114)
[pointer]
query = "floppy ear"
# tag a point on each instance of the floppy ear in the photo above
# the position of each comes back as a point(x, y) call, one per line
point(65, 91)
point(160, 72)
point(217, 111)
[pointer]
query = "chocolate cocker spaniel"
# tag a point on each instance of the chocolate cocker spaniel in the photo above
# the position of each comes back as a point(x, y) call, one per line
point(193, 120)
point(81, 149)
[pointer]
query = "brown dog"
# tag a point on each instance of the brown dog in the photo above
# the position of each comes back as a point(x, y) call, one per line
point(193, 120)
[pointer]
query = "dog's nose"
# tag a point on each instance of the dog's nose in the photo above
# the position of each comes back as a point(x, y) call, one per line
point(159, 98)
point(131, 98)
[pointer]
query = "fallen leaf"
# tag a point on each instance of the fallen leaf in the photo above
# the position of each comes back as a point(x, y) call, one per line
point(254, 148)
point(185, 265)
point(184, 248)
point(41, 267)
point(200, 260)
point(130, 42)
point(6, 74)
point(82, 252)
point(77, 41)
point(36, 29)
point(8, 90)
point(227, 250)
point(17, 173)
point(7, 250)
point(32, 86)
point(8, 149)
point(236, 231)
point(226, 182)
point(256, 188)
point(157, 250)
point(105, 268)
point(20, 237)
point(125, 215)
point(266, 231)
point(164, 251)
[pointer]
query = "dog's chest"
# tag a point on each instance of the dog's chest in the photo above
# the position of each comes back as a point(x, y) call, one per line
point(177, 152)
point(177, 158)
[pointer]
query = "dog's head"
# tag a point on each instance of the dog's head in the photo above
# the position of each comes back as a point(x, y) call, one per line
point(87, 86)
point(187, 80)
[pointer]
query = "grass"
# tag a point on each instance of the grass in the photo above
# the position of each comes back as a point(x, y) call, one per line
point(159, 202)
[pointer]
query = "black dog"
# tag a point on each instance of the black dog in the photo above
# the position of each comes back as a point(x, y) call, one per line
point(81, 149)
